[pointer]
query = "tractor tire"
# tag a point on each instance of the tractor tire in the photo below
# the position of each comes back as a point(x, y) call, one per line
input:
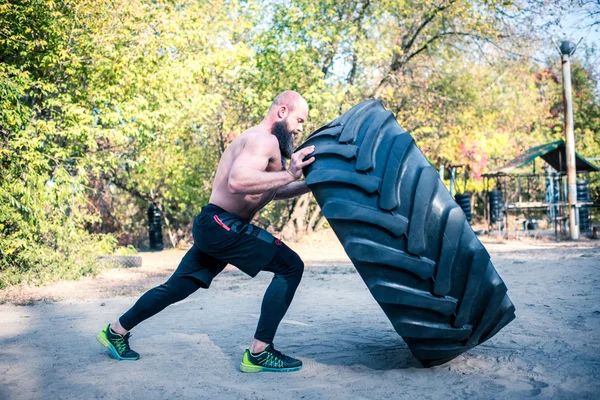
point(464, 201)
point(407, 238)
point(121, 261)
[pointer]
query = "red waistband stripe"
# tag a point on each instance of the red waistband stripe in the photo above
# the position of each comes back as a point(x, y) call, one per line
point(218, 221)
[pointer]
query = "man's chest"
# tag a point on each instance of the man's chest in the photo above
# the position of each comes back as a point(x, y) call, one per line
point(276, 164)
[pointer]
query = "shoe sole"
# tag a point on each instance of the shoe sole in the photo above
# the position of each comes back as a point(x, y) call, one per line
point(111, 349)
point(257, 368)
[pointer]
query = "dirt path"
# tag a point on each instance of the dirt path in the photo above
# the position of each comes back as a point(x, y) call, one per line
point(349, 348)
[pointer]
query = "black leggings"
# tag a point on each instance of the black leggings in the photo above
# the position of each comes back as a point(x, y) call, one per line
point(286, 265)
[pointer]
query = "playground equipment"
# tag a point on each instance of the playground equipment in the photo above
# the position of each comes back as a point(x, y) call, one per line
point(534, 195)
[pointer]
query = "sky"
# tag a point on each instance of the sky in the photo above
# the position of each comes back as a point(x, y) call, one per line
point(574, 26)
point(574, 29)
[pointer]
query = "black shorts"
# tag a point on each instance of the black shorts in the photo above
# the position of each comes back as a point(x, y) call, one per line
point(222, 238)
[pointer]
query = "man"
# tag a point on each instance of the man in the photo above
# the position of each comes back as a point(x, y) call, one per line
point(250, 174)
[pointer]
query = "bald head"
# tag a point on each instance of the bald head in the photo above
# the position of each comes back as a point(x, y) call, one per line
point(285, 119)
point(289, 99)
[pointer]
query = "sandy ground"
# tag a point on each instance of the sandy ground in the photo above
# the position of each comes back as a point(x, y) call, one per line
point(349, 348)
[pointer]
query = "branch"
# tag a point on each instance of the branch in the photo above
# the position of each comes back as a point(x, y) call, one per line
point(358, 21)
point(329, 58)
point(426, 22)
point(121, 185)
point(399, 64)
point(431, 40)
point(362, 11)
point(397, 61)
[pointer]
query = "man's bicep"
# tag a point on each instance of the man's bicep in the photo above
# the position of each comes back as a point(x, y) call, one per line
point(253, 156)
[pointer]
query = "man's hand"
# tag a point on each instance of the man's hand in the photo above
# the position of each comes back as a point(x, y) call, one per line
point(297, 163)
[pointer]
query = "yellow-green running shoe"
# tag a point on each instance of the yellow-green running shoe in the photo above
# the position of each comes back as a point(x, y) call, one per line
point(117, 345)
point(269, 360)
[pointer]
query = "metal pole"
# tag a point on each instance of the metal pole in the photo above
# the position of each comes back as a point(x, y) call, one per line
point(486, 200)
point(452, 179)
point(519, 187)
point(506, 205)
point(570, 147)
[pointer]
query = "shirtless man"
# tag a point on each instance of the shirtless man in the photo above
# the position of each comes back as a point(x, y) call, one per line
point(250, 174)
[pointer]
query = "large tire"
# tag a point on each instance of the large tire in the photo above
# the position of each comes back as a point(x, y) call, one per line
point(121, 261)
point(464, 202)
point(408, 239)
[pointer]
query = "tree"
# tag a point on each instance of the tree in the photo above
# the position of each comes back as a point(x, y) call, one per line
point(46, 134)
point(109, 105)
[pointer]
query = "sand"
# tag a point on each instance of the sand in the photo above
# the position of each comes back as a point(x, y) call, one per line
point(350, 351)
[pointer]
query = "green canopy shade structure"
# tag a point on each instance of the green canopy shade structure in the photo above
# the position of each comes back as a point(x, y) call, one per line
point(527, 193)
point(553, 153)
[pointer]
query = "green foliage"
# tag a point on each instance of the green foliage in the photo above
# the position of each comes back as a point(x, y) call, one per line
point(68, 258)
point(106, 106)
point(46, 147)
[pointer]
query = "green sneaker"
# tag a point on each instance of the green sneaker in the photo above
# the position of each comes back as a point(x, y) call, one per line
point(269, 360)
point(117, 345)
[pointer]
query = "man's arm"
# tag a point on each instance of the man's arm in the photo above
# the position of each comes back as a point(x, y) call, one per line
point(248, 175)
point(291, 190)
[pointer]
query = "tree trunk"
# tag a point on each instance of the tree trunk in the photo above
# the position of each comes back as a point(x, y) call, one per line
point(320, 224)
point(313, 219)
point(296, 225)
point(170, 232)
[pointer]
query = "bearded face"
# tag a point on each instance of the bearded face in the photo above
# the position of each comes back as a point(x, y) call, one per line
point(282, 132)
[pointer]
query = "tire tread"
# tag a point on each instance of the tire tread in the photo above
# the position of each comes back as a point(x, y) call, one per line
point(407, 237)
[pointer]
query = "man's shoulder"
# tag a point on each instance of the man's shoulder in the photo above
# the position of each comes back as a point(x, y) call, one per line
point(260, 137)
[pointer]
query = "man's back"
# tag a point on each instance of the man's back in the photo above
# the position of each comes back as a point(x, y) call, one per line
point(250, 149)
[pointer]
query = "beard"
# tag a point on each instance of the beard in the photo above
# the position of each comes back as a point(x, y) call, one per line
point(284, 136)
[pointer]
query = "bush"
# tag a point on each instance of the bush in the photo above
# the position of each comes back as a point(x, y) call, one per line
point(73, 258)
